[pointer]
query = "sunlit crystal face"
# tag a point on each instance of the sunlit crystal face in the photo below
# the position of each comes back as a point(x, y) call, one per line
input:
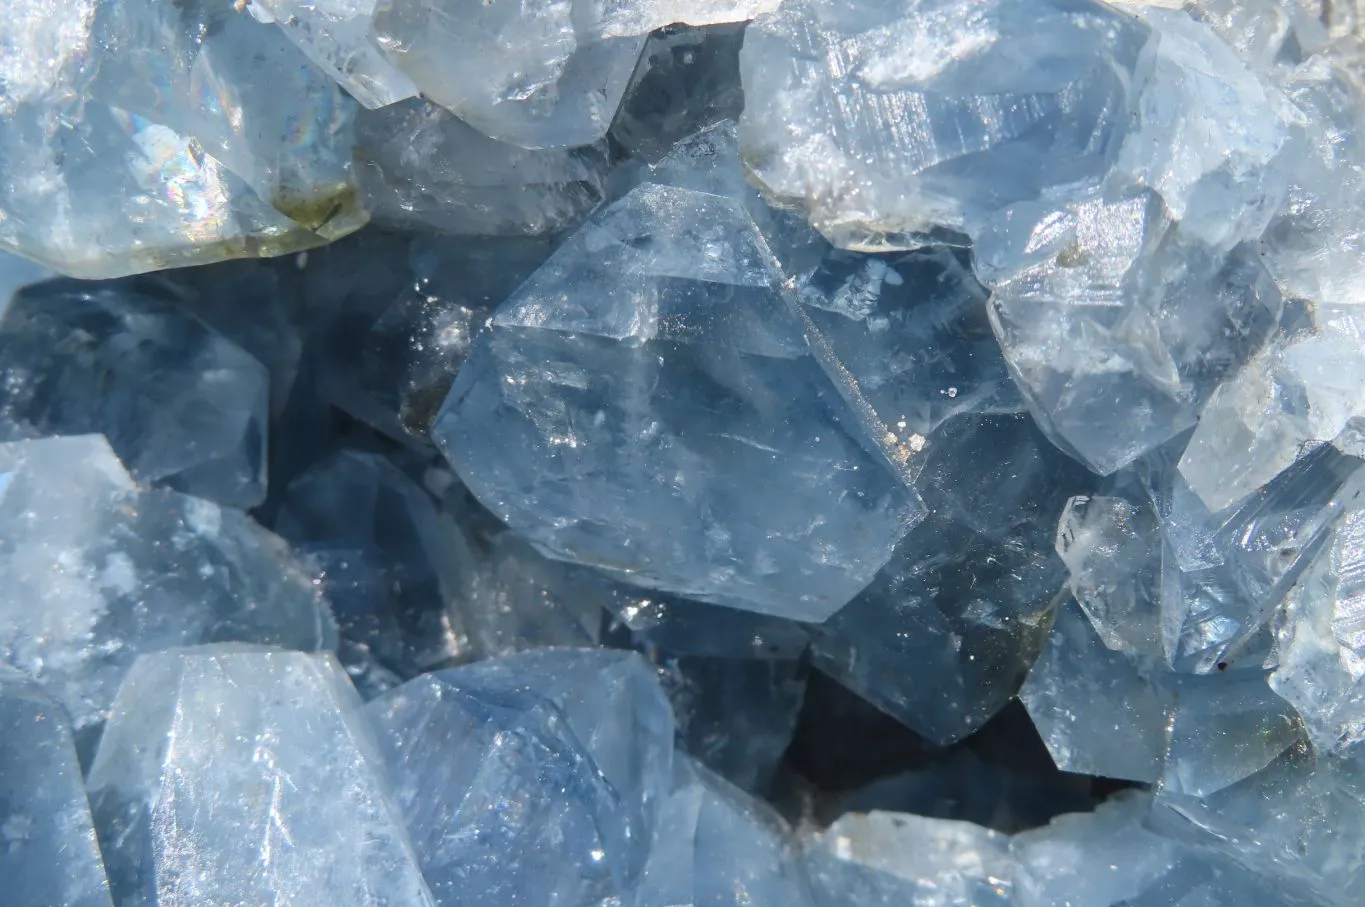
point(805, 454)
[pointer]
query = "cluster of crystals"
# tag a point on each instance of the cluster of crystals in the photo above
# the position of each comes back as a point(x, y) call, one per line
point(682, 452)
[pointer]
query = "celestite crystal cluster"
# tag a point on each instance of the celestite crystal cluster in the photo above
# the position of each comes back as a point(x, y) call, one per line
point(682, 453)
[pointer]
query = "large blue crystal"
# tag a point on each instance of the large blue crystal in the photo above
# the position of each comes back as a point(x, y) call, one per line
point(647, 403)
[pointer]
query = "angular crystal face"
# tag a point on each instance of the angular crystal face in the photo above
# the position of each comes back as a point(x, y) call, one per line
point(888, 119)
point(888, 858)
point(249, 774)
point(336, 35)
point(715, 845)
point(181, 405)
point(647, 404)
point(532, 778)
point(977, 572)
point(48, 851)
point(129, 170)
point(423, 167)
point(125, 571)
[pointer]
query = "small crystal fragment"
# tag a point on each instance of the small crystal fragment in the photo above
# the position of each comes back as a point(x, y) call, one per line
point(180, 404)
point(246, 775)
point(123, 572)
point(1093, 707)
point(48, 851)
point(888, 858)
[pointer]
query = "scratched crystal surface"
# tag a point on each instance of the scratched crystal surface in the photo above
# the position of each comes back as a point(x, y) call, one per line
point(250, 775)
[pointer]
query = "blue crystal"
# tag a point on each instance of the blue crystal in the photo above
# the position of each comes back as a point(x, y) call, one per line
point(180, 405)
point(246, 774)
point(532, 778)
point(124, 572)
point(976, 571)
point(48, 851)
point(714, 846)
point(646, 404)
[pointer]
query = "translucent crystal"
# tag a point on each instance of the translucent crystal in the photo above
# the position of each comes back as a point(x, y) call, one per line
point(532, 778)
point(687, 79)
point(1116, 327)
point(945, 633)
point(1103, 858)
point(714, 846)
point(124, 176)
point(886, 120)
point(395, 317)
point(48, 851)
point(889, 858)
point(424, 167)
point(125, 571)
point(277, 123)
point(336, 35)
point(1093, 707)
point(393, 567)
point(646, 403)
point(17, 273)
point(180, 404)
point(736, 715)
point(246, 774)
point(543, 75)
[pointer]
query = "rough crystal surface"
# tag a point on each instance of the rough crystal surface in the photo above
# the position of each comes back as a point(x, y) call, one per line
point(885, 120)
point(48, 851)
point(649, 377)
point(128, 171)
point(533, 778)
point(181, 405)
point(124, 571)
point(248, 776)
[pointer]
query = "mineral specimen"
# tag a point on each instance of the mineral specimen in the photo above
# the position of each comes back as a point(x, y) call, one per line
point(180, 405)
point(646, 403)
point(127, 169)
point(48, 851)
point(246, 774)
point(121, 571)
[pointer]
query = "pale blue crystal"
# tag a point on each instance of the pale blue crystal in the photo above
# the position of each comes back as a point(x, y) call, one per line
point(423, 167)
point(128, 171)
point(715, 846)
point(646, 403)
point(48, 853)
point(246, 775)
point(181, 405)
point(888, 119)
point(533, 778)
point(125, 571)
point(1093, 707)
point(889, 858)
point(336, 35)
point(945, 633)
point(17, 273)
